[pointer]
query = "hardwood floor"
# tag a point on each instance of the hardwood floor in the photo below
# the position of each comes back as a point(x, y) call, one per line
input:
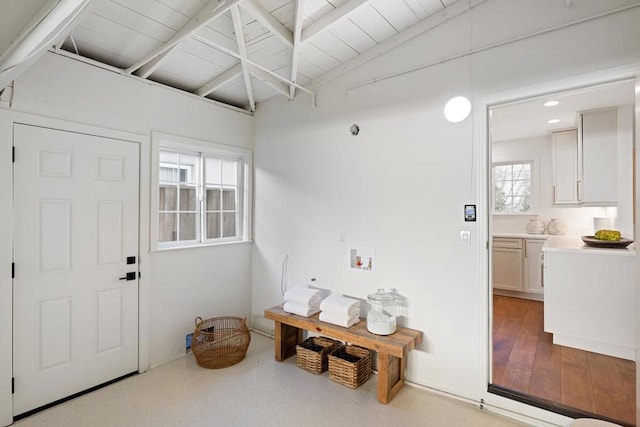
point(526, 360)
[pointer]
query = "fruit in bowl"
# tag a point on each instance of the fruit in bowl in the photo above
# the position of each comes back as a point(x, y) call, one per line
point(610, 235)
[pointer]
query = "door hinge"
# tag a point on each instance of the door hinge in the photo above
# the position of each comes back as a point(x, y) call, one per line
point(13, 154)
point(13, 270)
point(13, 385)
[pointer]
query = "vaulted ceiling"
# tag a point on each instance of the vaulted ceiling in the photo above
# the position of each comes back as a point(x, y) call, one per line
point(243, 52)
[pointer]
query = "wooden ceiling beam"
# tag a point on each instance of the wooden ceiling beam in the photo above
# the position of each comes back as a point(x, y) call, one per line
point(242, 51)
point(229, 52)
point(212, 10)
point(268, 21)
point(219, 80)
point(331, 17)
point(295, 55)
point(147, 69)
point(270, 81)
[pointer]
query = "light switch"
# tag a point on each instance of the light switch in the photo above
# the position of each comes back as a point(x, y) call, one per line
point(465, 237)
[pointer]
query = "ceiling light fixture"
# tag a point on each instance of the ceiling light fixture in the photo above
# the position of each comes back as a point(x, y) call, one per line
point(551, 103)
point(553, 121)
point(457, 109)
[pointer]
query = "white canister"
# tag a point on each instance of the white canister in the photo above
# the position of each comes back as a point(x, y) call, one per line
point(557, 226)
point(381, 318)
point(604, 223)
point(535, 226)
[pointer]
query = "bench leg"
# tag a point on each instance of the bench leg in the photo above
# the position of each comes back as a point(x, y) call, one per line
point(390, 376)
point(287, 337)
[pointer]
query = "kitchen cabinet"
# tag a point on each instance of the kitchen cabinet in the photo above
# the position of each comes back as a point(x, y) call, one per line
point(507, 264)
point(585, 161)
point(565, 167)
point(533, 278)
point(599, 157)
point(590, 297)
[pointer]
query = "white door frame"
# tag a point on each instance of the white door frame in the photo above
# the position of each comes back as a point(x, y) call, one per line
point(482, 151)
point(7, 120)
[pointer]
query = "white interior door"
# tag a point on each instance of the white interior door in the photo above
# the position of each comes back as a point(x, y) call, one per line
point(75, 322)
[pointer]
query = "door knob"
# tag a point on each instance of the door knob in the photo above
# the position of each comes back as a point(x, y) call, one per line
point(130, 276)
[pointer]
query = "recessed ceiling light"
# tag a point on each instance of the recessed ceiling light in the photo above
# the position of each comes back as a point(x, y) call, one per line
point(553, 121)
point(551, 103)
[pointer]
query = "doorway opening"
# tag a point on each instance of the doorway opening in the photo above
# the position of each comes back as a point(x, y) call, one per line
point(537, 178)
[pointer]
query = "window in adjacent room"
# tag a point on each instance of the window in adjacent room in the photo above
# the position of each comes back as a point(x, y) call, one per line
point(512, 184)
point(202, 193)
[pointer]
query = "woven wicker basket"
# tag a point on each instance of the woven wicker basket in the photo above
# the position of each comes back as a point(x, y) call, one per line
point(220, 342)
point(350, 365)
point(311, 354)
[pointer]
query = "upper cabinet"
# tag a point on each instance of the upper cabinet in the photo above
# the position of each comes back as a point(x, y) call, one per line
point(599, 157)
point(585, 161)
point(566, 178)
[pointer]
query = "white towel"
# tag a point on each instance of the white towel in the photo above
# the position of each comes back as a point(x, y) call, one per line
point(300, 310)
point(303, 296)
point(337, 304)
point(344, 321)
point(353, 311)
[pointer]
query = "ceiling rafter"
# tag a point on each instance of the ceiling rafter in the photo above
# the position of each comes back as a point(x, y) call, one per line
point(210, 11)
point(269, 80)
point(242, 50)
point(268, 21)
point(254, 64)
point(219, 81)
point(295, 55)
point(330, 18)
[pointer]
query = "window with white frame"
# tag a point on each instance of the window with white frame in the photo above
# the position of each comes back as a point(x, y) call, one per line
point(512, 187)
point(202, 193)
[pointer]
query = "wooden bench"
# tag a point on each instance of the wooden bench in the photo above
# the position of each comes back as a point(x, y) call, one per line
point(392, 349)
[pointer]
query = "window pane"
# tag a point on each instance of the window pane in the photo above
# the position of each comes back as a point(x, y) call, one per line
point(214, 171)
point(500, 201)
point(167, 227)
point(213, 225)
point(229, 172)
point(168, 198)
point(228, 224)
point(229, 200)
point(521, 204)
point(508, 204)
point(502, 172)
point(213, 199)
point(520, 188)
point(505, 187)
point(168, 171)
point(187, 199)
point(187, 226)
point(188, 169)
point(521, 171)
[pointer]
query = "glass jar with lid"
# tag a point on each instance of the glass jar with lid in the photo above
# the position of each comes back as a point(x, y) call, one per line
point(381, 318)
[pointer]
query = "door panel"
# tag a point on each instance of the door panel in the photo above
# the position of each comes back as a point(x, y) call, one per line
point(76, 210)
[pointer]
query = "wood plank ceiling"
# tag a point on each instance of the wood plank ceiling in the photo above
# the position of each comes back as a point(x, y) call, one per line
point(241, 52)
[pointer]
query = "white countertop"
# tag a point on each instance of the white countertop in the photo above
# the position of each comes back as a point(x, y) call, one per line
point(520, 235)
point(575, 244)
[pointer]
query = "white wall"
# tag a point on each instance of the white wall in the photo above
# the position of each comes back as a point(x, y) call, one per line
point(400, 185)
point(176, 286)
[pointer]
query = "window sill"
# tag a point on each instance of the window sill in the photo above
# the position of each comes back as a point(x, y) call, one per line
point(202, 245)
